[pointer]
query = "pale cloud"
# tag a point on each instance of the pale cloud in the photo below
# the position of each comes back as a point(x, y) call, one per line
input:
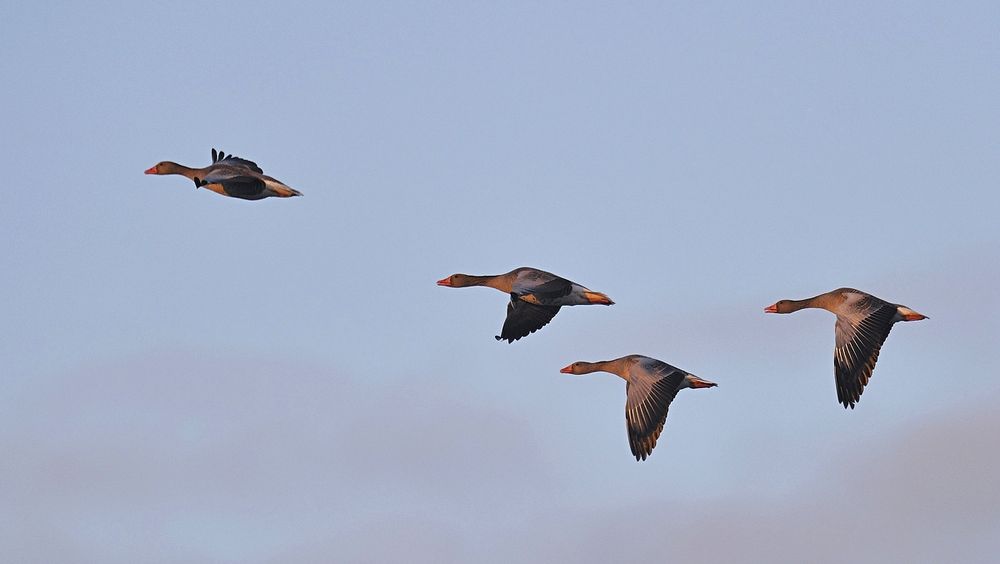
point(232, 460)
point(927, 495)
point(227, 459)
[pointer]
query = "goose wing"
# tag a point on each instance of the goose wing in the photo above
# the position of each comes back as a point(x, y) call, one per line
point(543, 285)
point(652, 385)
point(218, 157)
point(524, 318)
point(860, 334)
point(247, 187)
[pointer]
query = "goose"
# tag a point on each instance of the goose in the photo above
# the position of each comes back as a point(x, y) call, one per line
point(535, 297)
point(650, 387)
point(229, 176)
point(863, 323)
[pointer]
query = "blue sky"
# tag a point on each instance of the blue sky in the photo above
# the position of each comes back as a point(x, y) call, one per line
point(207, 379)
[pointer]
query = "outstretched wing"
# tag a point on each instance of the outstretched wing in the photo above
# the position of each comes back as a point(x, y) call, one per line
point(859, 340)
point(524, 318)
point(237, 186)
point(218, 157)
point(652, 385)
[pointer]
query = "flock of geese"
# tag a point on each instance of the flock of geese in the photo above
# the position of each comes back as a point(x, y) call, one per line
point(536, 296)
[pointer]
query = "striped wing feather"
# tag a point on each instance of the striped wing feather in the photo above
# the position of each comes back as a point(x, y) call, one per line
point(858, 344)
point(649, 395)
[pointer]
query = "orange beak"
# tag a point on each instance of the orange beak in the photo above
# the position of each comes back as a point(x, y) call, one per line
point(444, 281)
point(914, 316)
point(598, 298)
point(702, 384)
point(567, 370)
point(151, 170)
point(771, 309)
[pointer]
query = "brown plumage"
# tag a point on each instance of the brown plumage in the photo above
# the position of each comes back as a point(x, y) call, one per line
point(651, 386)
point(535, 297)
point(863, 324)
point(229, 176)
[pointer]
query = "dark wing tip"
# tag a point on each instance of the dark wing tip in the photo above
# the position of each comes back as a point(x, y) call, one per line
point(854, 359)
point(640, 447)
point(524, 318)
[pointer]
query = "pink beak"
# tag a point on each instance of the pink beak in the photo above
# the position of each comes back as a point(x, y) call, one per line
point(444, 281)
point(771, 309)
point(567, 370)
point(151, 170)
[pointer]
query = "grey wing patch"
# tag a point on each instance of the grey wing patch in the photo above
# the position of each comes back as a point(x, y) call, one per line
point(218, 157)
point(649, 396)
point(524, 318)
point(555, 288)
point(528, 280)
point(859, 341)
point(243, 187)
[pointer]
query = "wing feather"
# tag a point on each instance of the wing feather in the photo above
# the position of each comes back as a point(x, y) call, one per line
point(859, 340)
point(651, 388)
point(230, 160)
point(524, 318)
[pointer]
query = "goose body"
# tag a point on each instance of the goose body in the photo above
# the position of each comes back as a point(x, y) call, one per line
point(229, 176)
point(651, 386)
point(863, 323)
point(535, 297)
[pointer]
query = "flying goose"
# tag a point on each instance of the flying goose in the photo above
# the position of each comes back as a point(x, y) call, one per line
point(229, 176)
point(863, 323)
point(650, 387)
point(535, 297)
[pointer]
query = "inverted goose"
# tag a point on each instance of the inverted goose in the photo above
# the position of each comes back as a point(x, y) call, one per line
point(229, 176)
point(650, 387)
point(863, 323)
point(535, 297)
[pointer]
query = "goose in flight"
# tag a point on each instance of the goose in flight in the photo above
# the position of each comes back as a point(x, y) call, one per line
point(863, 323)
point(230, 176)
point(535, 297)
point(650, 387)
